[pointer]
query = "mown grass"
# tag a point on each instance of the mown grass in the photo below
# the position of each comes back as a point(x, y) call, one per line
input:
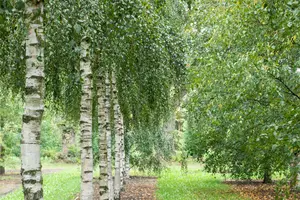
point(195, 184)
point(62, 185)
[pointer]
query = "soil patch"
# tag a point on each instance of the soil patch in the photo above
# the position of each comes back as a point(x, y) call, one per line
point(136, 188)
point(139, 188)
point(256, 190)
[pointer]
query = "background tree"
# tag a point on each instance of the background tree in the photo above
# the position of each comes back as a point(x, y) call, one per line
point(243, 85)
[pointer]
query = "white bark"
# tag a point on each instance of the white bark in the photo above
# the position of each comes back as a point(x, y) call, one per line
point(118, 121)
point(108, 135)
point(127, 166)
point(34, 105)
point(122, 161)
point(104, 193)
point(86, 123)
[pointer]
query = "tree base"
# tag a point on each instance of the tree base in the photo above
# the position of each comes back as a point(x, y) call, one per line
point(2, 170)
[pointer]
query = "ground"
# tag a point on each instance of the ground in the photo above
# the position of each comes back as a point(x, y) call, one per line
point(12, 180)
point(139, 188)
point(136, 188)
point(256, 190)
point(172, 184)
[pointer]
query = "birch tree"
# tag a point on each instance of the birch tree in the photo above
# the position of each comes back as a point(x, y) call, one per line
point(104, 192)
point(86, 122)
point(119, 135)
point(34, 107)
point(108, 134)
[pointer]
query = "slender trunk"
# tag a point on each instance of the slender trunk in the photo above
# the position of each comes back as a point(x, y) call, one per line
point(118, 121)
point(108, 135)
point(68, 139)
point(297, 185)
point(102, 138)
point(127, 166)
point(267, 177)
point(2, 168)
point(295, 172)
point(86, 124)
point(122, 161)
point(32, 180)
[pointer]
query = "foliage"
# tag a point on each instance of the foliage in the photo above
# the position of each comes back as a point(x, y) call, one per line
point(243, 102)
point(10, 122)
point(10, 127)
point(142, 40)
point(150, 149)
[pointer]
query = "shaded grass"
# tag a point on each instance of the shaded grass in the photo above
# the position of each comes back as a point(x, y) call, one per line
point(62, 185)
point(195, 184)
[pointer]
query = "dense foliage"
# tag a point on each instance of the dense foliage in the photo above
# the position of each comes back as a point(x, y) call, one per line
point(142, 41)
point(244, 94)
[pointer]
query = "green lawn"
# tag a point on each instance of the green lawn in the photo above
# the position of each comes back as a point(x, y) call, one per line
point(172, 185)
point(62, 185)
point(196, 184)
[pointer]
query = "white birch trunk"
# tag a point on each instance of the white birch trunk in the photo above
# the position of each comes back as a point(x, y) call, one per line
point(122, 161)
point(34, 106)
point(104, 195)
point(86, 123)
point(108, 136)
point(118, 121)
point(127, 166)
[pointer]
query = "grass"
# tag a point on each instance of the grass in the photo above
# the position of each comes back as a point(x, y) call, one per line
point(172, 184)
point(62, 185)
point(195, 184)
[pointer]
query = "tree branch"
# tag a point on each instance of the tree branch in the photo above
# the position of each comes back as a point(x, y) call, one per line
point(286, 86)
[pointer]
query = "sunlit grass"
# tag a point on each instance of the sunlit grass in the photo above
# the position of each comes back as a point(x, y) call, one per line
point(195, 184)
point(62, 185)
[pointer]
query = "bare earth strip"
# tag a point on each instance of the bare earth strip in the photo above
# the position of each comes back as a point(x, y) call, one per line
point(137, 188)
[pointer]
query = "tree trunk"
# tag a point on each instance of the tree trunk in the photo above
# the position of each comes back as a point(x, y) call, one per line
point(2, 169)
point(104, 195)
point(86, 123)
point(267, 177)
point(34, 106)
point(68, 140)
point(122, 161)
point(107, 109)
point(118, 121)
point(295, 172)
point(127, 166)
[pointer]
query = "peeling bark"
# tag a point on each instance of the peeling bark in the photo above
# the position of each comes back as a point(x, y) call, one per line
point(107, 108)
point(118, 121)
point(86, 123)
point(32, 180)
point(104, 193)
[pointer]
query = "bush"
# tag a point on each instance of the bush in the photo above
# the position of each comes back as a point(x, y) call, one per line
point(51, 153)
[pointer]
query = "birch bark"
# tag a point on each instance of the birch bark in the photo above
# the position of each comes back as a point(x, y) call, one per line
point(107, 108)
point(32, 180)
point(127, 166)
point(86, 123)
point(104, 193)
point(118, 121)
